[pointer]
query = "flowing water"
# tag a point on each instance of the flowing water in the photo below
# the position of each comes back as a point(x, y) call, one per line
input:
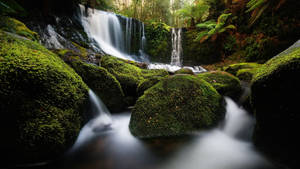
point(106, 142)
point(176, 47)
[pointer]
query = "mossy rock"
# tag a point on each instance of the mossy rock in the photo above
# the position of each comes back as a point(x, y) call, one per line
point(146, 84)
point(15, 26)
point(175, 106)
point(103, 83)
point(225, 83)
point(41, 101)
point(246, 74)
point(184, 71)
point(127, 74)
point(274, 98)
point(234, 68)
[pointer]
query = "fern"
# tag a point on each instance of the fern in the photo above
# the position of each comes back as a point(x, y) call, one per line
point(214, 28)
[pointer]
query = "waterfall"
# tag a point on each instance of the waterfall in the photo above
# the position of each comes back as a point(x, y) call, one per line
point(176, 47)
point(106, 29)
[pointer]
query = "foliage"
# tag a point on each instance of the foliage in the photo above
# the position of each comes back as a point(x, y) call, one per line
point(158, 41)
point(10, 7)
point(257, 7)
point(175, 106)
point(213, 29)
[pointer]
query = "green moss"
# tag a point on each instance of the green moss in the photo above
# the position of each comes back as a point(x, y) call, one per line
point(234, 68)
point(41, 97)
point(146, 84)
point(246, 74)
point(158, 42)
point(127, 74)
point(274, 98)
point(184, 71)
point(103, 83)
point(174, 106)
point(223, 82)
point(15, 26)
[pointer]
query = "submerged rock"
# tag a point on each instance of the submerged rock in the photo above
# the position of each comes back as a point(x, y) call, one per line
point(225, 83)
point(175, 106)
point(103, 83)
point(41, 101)
point(275, 92)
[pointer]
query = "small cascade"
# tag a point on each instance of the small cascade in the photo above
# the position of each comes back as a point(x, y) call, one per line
point(100, 122)
point(143, 37)
point(176, 47)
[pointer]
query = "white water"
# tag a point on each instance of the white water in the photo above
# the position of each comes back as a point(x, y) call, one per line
point(52, 39)
point(176, 47)
point(226, 147)
point(105, 29)
point(100, 122)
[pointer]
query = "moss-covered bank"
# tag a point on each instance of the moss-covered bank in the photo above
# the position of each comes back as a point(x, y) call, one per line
point(175, 106)
point(41, 99)
point(275, 92)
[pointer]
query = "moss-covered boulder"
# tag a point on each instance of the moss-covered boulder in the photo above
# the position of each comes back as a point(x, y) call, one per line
point(41, 101)
point(127, 74)
point(175, 106)
point(15, 26)
point(234, 68)
point(275, 100)
point(184, 71)
point(103, 83)
point(146, 84)
point(225, 83)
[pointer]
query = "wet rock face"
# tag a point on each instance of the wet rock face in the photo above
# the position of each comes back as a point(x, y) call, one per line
point(175, 106)
point(274, 96)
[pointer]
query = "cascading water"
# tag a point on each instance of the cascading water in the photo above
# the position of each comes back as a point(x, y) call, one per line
point(101, 120)
point(225, 147)
point(106, 29)
point(176, 47)
point(176, 55)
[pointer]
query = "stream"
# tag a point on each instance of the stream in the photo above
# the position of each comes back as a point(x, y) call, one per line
point(106, 142)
